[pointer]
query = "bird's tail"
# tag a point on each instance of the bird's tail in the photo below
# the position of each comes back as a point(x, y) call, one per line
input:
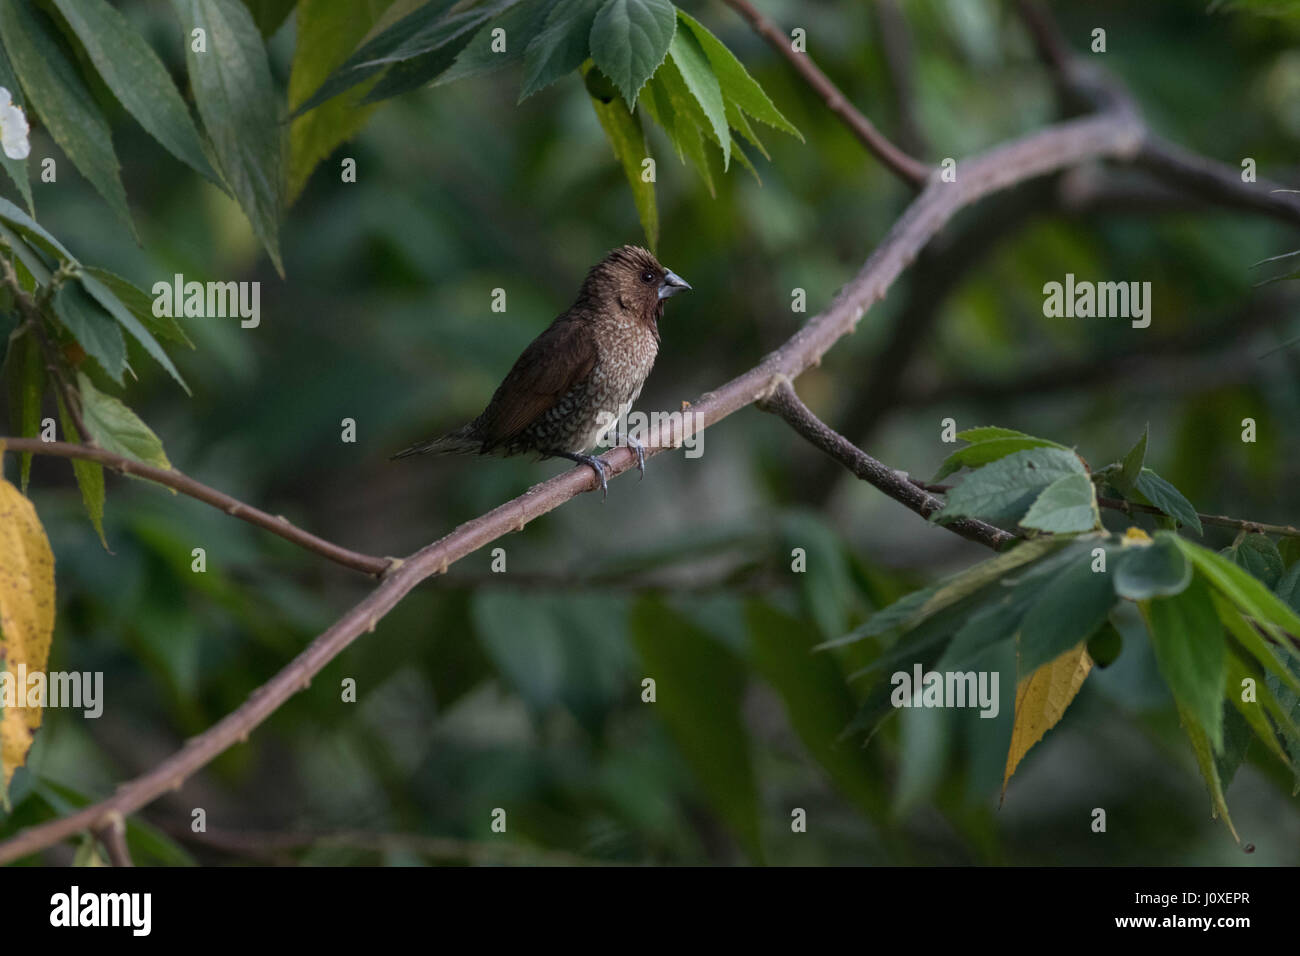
point(459, 442)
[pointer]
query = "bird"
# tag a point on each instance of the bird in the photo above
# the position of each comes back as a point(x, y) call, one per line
point(578, 376)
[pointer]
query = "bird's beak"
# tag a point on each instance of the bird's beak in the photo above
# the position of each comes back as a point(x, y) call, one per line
point(672, 284)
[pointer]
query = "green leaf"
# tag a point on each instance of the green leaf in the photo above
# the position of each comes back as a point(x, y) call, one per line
point(116, 428)
point(105, 297)
point(422, 59)
point(1067, 505)
point(327, 31)
point(1249, 638)
point(1002, 491)
point(1236, 741)
point(699, 689)
point(990, 432)
point(1131, 468)
point(34, 232)
point(131, 69)
point(239, 105)
point(737, 85)
point(29, 260)
point(999, 619)
point(432, 32)
point(983, 451)
point(925, 641)
point(1254, 712)
point(1209, 768)
point(1071, 605)
point(269, 15)
point(996, 621)
point(689, 124)
point(92, 327)
point(1190, 649)
point(561, 47)
point(419, 71)
point(1246, 592)
point(1288, 699)
point(903, 613)
point(1289, 547)
point(376, 53)
point(24, 373)
point(623, 130)
point(629, 40)
point(1288, 588)
point(1168, 499)
point(89, 475)
point(1156, 570)
point(913, 609)
point(140, 304)
point(693, 65)
point(520, 24)
point(924, 645)
point(55, 89)
point(16, 168)
point(740, 124)
point(684, 134)
point(1259, 555)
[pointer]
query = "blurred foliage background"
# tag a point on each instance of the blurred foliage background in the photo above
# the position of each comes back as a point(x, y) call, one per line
point(523, 690)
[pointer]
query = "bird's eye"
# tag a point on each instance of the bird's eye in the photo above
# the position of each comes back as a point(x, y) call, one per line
point(647, 277)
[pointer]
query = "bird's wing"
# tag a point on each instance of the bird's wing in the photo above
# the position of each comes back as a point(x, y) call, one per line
point(555, 361)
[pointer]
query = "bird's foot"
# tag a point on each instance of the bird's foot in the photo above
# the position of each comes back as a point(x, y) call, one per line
point(639, 448)
point(595, 464)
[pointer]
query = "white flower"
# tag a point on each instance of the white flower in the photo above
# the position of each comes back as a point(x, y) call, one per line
point(13, 128)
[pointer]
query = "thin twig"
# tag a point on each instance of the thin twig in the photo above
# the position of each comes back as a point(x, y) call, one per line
point(1120, 504)
point(1109, 134)
point(1221, 521)
point(177, 481)
point(910, 169)
point(785, 403)
point(112, 835)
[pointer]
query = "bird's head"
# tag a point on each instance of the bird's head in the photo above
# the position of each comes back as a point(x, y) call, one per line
point(632, 280)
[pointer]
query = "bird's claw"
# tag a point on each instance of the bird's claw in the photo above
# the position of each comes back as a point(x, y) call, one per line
point(598, 467)
point(637, 447)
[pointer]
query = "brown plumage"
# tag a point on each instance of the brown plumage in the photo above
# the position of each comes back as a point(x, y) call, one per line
point(577, 376)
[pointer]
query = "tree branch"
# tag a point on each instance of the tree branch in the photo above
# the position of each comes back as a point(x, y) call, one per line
point(1221, 521)
point(177, 481)
point(910, 169)
point(784, 402)
point(1081, 86)
point(1112, 133)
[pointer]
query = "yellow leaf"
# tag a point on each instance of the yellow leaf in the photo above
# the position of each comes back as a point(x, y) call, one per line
point(1041, 699)
point(26, 619)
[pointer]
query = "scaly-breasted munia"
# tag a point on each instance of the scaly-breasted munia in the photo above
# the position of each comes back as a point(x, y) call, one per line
point(576, 378)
